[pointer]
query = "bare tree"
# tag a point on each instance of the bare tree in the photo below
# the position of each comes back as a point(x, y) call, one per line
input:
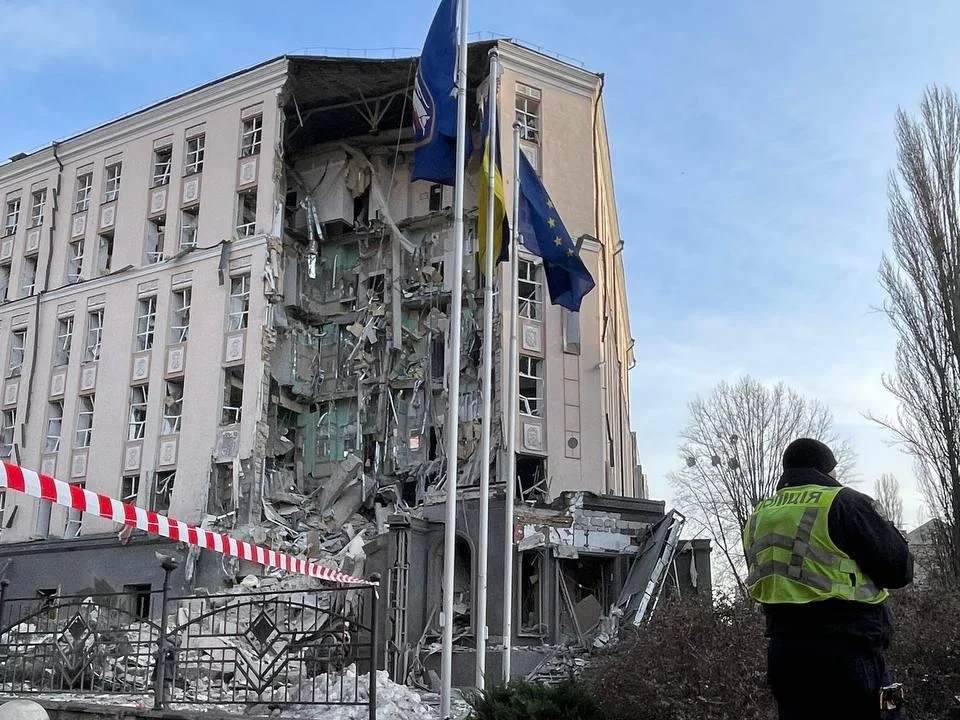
point(922, 281)
point(731, 451)
point(887, 495)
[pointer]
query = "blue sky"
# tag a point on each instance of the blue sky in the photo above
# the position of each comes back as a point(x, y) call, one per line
point(751, 144)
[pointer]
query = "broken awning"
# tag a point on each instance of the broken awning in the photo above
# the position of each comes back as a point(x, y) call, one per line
point(642, 585)
point(56, 491)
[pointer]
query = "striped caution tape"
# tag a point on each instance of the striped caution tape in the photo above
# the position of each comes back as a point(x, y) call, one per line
point(56, 491)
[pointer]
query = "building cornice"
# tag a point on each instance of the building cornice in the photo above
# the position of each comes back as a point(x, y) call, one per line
point(562, 75)
point(147, 120)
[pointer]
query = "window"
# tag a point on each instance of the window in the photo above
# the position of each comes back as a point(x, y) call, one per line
point(529, 290)
point(85, 422)
point(239, 301)
point(195, 149)
point(162, 162)
point(436, 198)
point(247, 213)
point(8, 422)
point(155, 233)
point(232, 395)
point(180, 316)
point(571, 331)
point(528, 113)
point(146, 322)
point(75, 262)
point(74, 517)
point(4, 282)
point(18, 345)
point(28, 283)
point(531, 385)
point(61, 353)
point(105, 253)
point(172, 407)
point(163, 490)
point(137, 419)
point(531, 595)
point(38, 201)
point(94, 334)
point(81, 201)
point(138, 600)
point(188, 227)
point(12, 218)
point(130, 489)
point(251, 136)
point(54, 426)
point(111, 190)
point(42, 528)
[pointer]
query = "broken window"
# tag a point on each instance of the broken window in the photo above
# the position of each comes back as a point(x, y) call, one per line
point(529, 290)
point(47, 598)
point(531, 386)
point(531, 478)
point(74, 262)
point(84, 432)
point(189, 219)
point(195, 150)
point(74, 517)
point(146, 322)
point(18, 345)
point(105, 253)
point(376, 284)
point(162, 162)
point(232, 395)
point(81, 202)
point(12, 218)
point(138, 600)
point(239, 301)
point(247, 213)
point(111, 190)
point(44, 511)
point(4, 282)
point(163, 490)
point(438, 355)
point(586, 589)
point(436, 198)
point(130, 489)
point(94, 335)
point(172, 407)
point(462, 587)
point(531, 594)
point(8, 423)
point(28, 280)
point(156, 229)
point(180, 315)
point(38, 202)
point(54, 426)
point(137, 417)
point(251, 135)
point(528, 113)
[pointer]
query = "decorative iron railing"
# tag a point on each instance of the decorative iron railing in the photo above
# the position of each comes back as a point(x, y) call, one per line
point(263, 647)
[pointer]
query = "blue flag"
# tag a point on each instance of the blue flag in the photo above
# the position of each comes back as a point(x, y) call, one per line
point(544, 234)
point(435, 101)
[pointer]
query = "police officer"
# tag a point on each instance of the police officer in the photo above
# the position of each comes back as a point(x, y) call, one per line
point(820, 558)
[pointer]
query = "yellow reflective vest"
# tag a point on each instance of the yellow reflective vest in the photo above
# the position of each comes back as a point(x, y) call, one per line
point(790, 556)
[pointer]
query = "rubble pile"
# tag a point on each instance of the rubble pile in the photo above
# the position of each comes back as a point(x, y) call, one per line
point(394, 702)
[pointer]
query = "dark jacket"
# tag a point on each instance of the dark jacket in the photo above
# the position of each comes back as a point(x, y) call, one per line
point(857, 528)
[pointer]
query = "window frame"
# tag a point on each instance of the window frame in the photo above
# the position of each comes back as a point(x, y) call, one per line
point(51, 418)
point(28, 272)
point(83, 435)
point(7, 432)
point(239, 319)
point(180, 313)
point(15, 369)
point(172, 423)
point(146, 333)
point(82, 192)
point(11, 216)
point(531, 370)
point(92, 351)
point(36, 218)
point(251, 138)
point(75, 261)
point(194, 214)
point(137, 412)
point(246, 225)
point(63, 344)
point(161, 177)
point(112, 177)
point(528, 113)
point(156, 237)
point(193, 158)
point(529, 308)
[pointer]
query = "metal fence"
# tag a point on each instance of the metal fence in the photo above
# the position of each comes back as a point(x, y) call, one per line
point(276, 648)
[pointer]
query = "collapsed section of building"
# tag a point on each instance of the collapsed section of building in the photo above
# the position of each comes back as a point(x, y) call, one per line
point(284, 373)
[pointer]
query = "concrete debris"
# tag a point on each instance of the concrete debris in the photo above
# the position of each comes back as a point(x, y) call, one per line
point(394, 702)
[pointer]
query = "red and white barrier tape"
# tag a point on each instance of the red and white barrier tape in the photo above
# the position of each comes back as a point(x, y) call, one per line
point(56, 491)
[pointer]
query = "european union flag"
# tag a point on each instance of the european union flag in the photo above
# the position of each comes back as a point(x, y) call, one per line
point(544, 234)
point(435, 101)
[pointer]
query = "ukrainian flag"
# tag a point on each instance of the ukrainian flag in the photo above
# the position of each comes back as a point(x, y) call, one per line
point(501, 234)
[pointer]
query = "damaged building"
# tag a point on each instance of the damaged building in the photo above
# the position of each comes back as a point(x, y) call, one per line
point(233, 307)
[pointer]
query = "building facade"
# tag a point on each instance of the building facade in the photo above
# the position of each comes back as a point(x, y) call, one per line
point(172, 338)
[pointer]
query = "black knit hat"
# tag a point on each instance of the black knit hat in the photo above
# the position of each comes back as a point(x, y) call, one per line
point(809, 453)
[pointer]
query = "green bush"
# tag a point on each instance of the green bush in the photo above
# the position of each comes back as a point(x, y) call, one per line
point(525, 700)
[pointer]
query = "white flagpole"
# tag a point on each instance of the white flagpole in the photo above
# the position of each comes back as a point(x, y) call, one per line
point(512, 393)
point(453, 384)
point(487, 400)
